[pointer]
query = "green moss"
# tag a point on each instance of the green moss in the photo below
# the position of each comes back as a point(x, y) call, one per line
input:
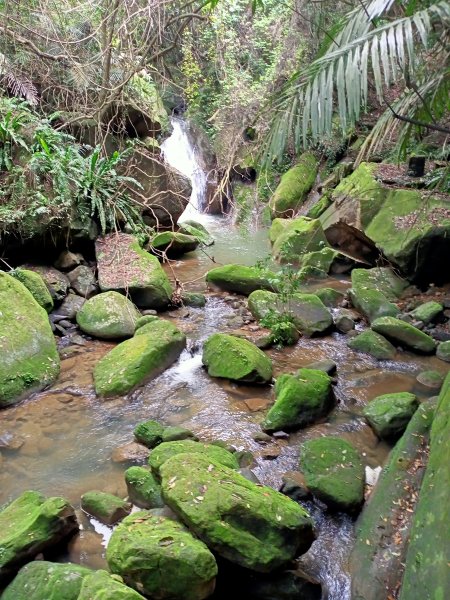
point(372, 290)
point(329, 296)
point(29, 358)
point(109, 315)
point(381, 279)
point(294, 186)
point(107, 508)
point(250, 525)
point(277, 227)
point(241, 279)
point(100, 585)
point(175, 433)
point(234, 358)
point(154, 347)
point(173, 243)
point(374, 344)
point(300, 400)
point(298, 237)
point(198, 231)
point(372, 303)
point(427, 312)
point(319, 207)
point(404, 334)
point(443, 351)
point(36, 285)
point(193, 299)
point(168, 449)
point(320, 259)
point(160, 558)
point(143, 489)
point(333, 472)
point(144, 320)
point(388, 415)
point(149, 433)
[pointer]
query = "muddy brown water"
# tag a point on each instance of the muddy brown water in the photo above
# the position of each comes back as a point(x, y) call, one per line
point(67, 436)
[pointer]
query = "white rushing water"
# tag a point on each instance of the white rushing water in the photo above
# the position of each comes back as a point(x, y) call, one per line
point(180, 154)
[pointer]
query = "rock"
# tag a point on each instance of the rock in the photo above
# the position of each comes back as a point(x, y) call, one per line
point(329, 296)
point(31, 524)
point(154, 347)
point(131, 452)
point(101, 585)
point(160, 558)
point(294, 186)
point(36, 286)
point(68, 260)
point(108, 316)
point(427, 312)
point(11, 442)
point(106, 508)
point(294, 238)
point(382, 279)
point(366, 296)
point(83, 281)
point(172, 243)
point(245, 459)
point(389, 414)
point(144, 320)
point(270, 453)
point(71, 305)
point(262, 438)
point(309, 314)
point(424, 576)
point(374, 344)
point(333, 472)
point(343, 320)
point(300, 400)
point(29, 358)
point(193, 299)
point(198, 231)
point(294, 486)
point(379, 552)
point(167, 450)
point(241, 279)
point(255, 404)
point(430, 380)
point(327, 366)
point(249, 525)
point(174, 433)
point(320, 260)
point(404, 334)
point(56, 282)
point(233, 358)
point(123, 266)
point(149, 433)
point(443, 351)
point(143, 489)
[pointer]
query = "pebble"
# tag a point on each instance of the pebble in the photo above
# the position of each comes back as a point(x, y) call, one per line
point(262, 438)
point(270, 453)
point(255, 404)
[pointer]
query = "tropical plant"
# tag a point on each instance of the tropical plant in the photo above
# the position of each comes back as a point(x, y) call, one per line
point(379, 41)
point(12, 122)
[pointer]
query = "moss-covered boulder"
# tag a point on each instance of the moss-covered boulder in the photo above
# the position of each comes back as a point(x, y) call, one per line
point(161, 559)
point(329, 296)
point(143, 489)
point(29, 358)
point(149, 433)
point(106, 508)
point(57, 283)
point(307, 311)
point(36, 285)
point(174, 433)
point(101, 585)
point(294, 186)
point(194, 299)
point(320, 259)
point(427, 560)
point(108, 316)
point(333, 472)
point(382, 279)
point(404, 334)
point(123, 266)
point(166, 450)
point(319, 207)
point(241, 279)
point(248, 524)
point(371, 292)
point(234, 358)
point(299, 399)
point(389, 414)
point(427, 312)
point(154, 347)
point(430, 380)
point(443, 351)
point(297, 237)
point(31, 524)
point(374, 344)
point(198, 231)
point(173, 243)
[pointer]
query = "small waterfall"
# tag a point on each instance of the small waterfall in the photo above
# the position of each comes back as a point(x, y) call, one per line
point(180, 154)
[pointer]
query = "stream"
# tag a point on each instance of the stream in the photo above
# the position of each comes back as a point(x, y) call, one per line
point(66, 439)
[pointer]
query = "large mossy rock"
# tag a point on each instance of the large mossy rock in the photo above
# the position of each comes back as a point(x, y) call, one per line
point(373, 290)
point(29, 357)
point(389, 414)
point(101, 585)
point(57, 283)
point(320, 260)
point(31, 524)
point(229, 357)
point(149, 433)
point(309, 314)
point(123, 266)
point(105, 507)
point(428, 557)
point(300, 399)
point(404, 334)
point(443, 351)
point(143, 489)
point(154, 347)
point(173, 243)
point(333, 472)
point(382, 279)
point(294, 186)
point(250, 525)
point(161, 559)
point(377, 558)
point(241, 279)
point(198, 231)
point(374, 344)
point(427, 312)
point(108, 316)
point(36, 286)
point(166, 450)
point(292, 239)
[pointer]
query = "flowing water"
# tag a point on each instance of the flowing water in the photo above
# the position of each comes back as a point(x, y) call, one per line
point(64, 441)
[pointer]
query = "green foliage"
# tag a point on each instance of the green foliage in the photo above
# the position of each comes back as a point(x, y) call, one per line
point(282, 327)
point(13, 120)
point(439, 180)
